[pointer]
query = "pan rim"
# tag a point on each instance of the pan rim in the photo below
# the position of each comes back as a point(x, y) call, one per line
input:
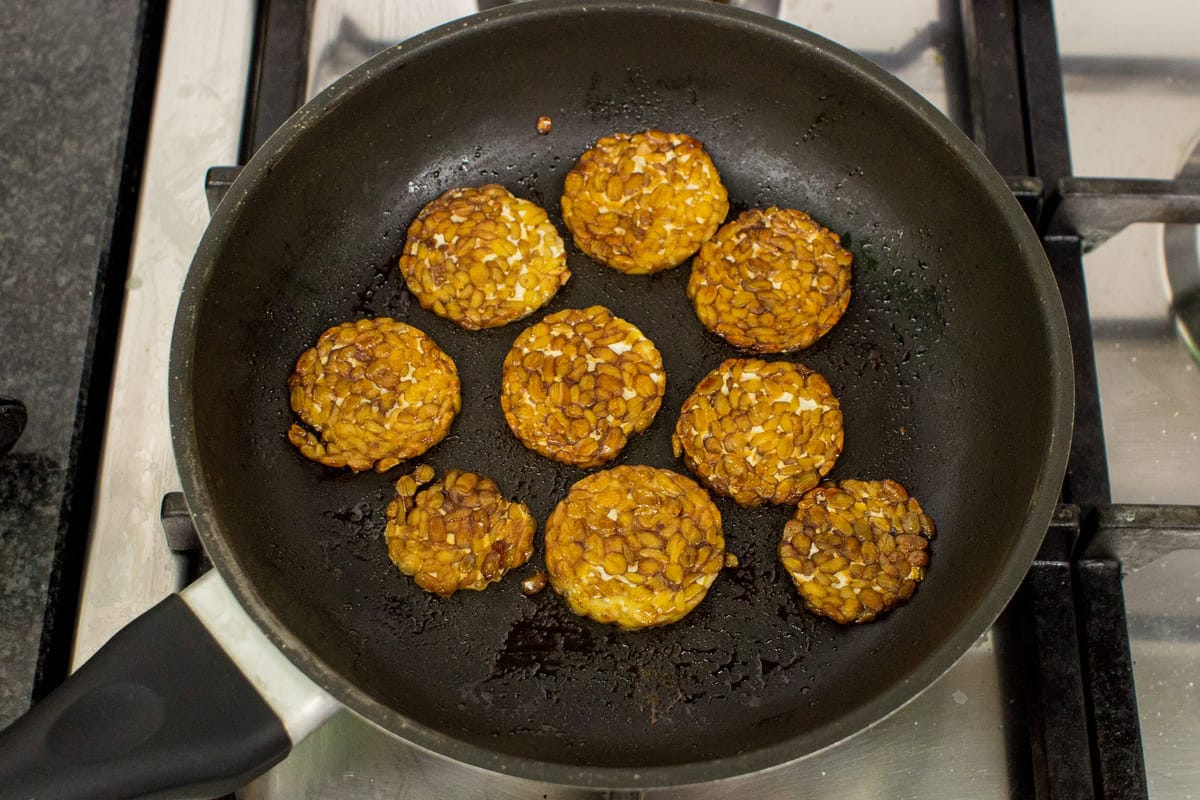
point(989, 605)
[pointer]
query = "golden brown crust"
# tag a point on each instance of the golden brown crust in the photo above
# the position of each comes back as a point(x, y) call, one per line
point(459, 533)
point(771, 281)
point(643, 202)
point(372, 393)
point(635, 546)
point(481, 257)
point(760, 432)
point(577, 384)
point(856, 549)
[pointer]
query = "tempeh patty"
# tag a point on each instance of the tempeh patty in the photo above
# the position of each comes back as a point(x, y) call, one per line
point(459, 533)
point(371, 394)
point(481, 257)
point(577, 384)
point(772, 280)
point(635, 546)
point(760, 432)
point(643, 202)
point(856, 549)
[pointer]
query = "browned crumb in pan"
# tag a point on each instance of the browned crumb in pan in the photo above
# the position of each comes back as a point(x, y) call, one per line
point(856, 549)
point(371, 394)
point(459, 533)
point(760, 432)
point(643, 202)
point(533, 584)
point(481, 257)
point(770, 281)
point(577, 384)
point(635, 546)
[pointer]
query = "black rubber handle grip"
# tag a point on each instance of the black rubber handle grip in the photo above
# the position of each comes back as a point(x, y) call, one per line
point(159, 712)
point(12, 422)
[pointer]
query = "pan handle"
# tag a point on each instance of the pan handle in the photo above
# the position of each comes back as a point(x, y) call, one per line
point(189, 700)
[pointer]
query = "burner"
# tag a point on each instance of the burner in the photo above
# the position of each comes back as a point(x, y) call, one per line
point(1181, 245)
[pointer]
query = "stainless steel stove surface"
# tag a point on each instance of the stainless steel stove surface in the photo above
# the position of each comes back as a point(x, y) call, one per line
point(1133, 100)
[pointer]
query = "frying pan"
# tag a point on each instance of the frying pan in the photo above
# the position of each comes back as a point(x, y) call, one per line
point(952, 366)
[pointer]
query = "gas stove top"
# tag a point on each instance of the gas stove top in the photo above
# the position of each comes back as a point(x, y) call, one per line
point(1086, 684)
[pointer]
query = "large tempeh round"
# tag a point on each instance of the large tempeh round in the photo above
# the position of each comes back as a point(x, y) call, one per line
point(760, 432)
point(771, 281)
point(372, 393)
point(634, 545)
point(643, 202)
point(856, 549)
point(459, 533)
point(482, 257)
point(577, 384)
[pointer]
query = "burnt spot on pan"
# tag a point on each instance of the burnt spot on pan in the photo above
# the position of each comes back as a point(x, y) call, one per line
point(671, 676)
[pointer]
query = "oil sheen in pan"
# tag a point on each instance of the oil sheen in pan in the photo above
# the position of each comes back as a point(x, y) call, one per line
point(748, 669)
point(750, 642)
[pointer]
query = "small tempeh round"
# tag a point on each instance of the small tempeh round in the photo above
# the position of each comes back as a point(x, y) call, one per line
point(459, 533)
point(577, 384)
point(771, 281)
point(760, 432)
point(856, 549)
point(643, 202)
point(372, 393)
point(481, 257)
point(635, 546)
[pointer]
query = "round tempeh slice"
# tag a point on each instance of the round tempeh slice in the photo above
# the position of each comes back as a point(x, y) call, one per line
point(481, 257)
point(771, 281)
point(577, 384)
point(760, 432)
point(856, 549)
point(643, 202)
point(371, 394)
point(459, 533)
point(635, 546)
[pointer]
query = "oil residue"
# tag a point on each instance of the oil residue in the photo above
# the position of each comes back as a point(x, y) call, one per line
point(543, 644)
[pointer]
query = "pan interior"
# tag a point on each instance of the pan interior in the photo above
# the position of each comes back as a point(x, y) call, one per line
point(941, 365)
